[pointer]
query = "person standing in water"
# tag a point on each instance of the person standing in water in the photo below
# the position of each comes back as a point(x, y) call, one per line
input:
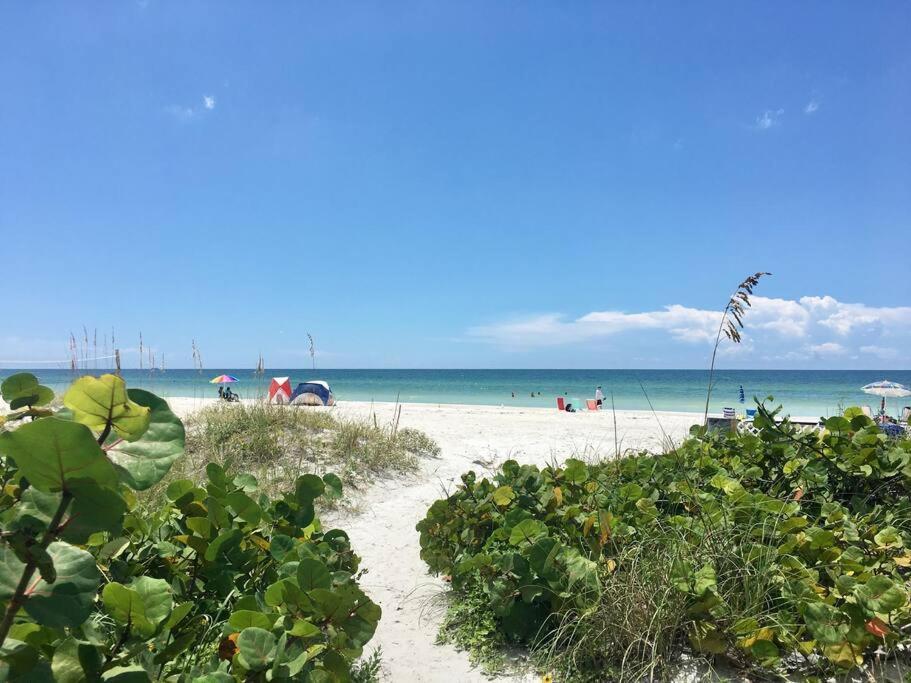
point(599, 396)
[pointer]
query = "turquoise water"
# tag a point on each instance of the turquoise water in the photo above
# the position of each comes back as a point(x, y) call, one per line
point(801, 392)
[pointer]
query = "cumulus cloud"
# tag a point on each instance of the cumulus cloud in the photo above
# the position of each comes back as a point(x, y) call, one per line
point(809, 327)
point(769, 118)
point(812, 107)
point(208, 101)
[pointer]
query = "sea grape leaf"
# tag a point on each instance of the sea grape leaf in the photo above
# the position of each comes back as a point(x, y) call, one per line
point(308, 488)
point(126, 607)
point(281, 546)
point(880, 594)
point(65, 602)
point(333, 486)
point(53, 454)
point(75, 661)
point(41, 396)
point(125, 674)
point(526, 531)
point(245, 618)
point(575, 471)
point(311, 573)
point(503, 496)
point(143, 462)
point(99, 401)
point(156, 598)
point(226, 541)
point(19, 384)
point(889, 537)
point(93, 509)
point(257, 647)
point(245, 507)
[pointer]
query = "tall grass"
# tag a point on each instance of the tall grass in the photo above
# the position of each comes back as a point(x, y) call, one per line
point(278, 443)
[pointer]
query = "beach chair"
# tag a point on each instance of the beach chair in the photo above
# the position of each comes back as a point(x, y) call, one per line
point(906, 414)
point(591, 404)
point(561, 403)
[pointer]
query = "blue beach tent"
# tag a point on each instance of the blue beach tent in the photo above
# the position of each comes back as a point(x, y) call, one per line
point(313, 393)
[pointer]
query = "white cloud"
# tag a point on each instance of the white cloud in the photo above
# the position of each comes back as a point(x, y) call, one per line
point(884, 352)
point(827, 349)
point(180, 112)
point(769, 118)
point(812, 107)
point(184, 113)
point(785, 329)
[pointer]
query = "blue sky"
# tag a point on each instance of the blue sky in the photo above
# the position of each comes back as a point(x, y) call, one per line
point(465, 184)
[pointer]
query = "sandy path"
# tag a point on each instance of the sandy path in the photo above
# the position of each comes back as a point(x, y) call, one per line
point(383, 532)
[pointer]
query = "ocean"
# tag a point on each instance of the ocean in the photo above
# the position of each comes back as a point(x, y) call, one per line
point(800, 392)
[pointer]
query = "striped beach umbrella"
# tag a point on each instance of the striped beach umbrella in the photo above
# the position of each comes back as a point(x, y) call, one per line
point(223, 379)
point(886, 389)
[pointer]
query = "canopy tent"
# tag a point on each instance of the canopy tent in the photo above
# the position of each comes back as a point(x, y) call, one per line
point(280, 390)
point(313, 393)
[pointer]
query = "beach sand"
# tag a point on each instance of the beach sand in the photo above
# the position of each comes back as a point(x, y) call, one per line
point(471, 437)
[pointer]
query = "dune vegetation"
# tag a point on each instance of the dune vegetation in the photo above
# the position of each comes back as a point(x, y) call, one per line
point(787, 550)
point(219, 581)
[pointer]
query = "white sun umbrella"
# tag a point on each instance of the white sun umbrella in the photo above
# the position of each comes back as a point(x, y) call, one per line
point(886, 389)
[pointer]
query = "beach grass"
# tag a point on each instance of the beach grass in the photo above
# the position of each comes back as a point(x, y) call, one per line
point(276, 444)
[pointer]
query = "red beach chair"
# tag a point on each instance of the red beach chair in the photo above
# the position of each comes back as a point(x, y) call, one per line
point(561, 403)
point(591, 404)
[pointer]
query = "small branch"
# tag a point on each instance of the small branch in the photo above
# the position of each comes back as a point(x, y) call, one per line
point(18, 598)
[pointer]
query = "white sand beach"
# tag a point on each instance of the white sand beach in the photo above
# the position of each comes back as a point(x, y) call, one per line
point(471, 437)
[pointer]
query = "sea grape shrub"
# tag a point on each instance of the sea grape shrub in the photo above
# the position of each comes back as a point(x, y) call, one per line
point(261, 589)
point(823, 519)
point(217, 584)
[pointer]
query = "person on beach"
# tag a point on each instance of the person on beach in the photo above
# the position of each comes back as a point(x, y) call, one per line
point(599, 396)
point(221, 392)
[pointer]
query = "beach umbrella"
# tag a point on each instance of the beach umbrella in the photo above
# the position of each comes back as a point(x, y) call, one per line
point(223, 379)
point(886, 389)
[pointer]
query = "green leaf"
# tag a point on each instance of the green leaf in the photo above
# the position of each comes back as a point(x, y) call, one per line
point(889, 537)
point(66, 602)
point(156, 598)
point(576, 471)
point(257, 647)
point(40, 397)
point(75, 661)
point(333, 486)
point(880, 594)
point(226, 541)
point(126, 607)
point(245, 618)
point(53, 453)
point(144, 462)
point(126, 674)
point(527, 531)
point(20, 384)
point(280, 546)
point(101, 401)
point(503, 496)
point(93, 509)
point(245, 507)
point(178, 614)
point(304, 629)
point(311, 573)
point(308, 488)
